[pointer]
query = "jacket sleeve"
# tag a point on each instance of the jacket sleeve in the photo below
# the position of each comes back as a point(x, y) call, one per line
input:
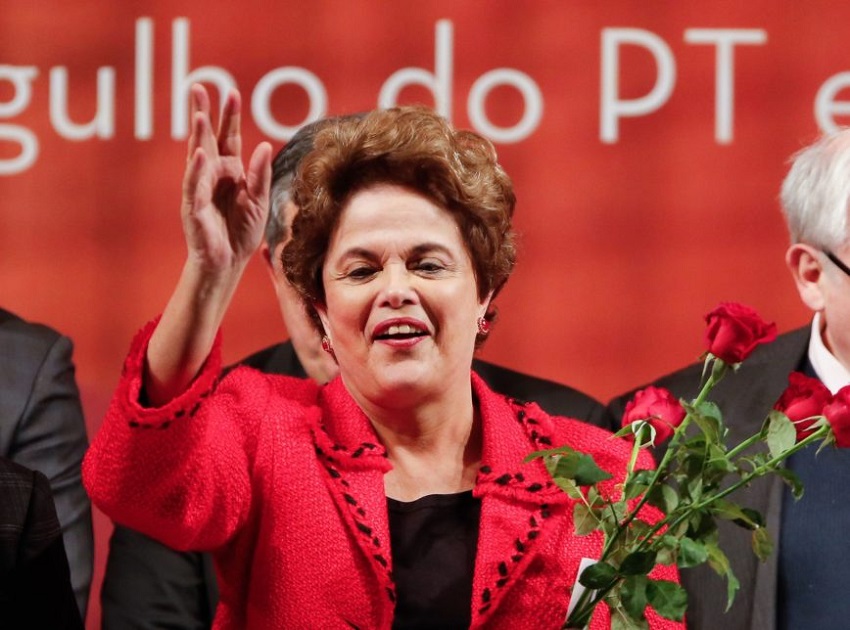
point(51, 438)
point(179, 473)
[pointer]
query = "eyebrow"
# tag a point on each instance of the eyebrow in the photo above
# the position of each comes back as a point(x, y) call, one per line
point(418, 250)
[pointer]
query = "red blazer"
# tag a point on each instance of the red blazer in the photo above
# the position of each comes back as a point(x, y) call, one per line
point(282, 480)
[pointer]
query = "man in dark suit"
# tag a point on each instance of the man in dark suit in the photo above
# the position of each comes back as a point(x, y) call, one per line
point(42, 428)
point(150, 586)
point(802, 584)
point(35, 582)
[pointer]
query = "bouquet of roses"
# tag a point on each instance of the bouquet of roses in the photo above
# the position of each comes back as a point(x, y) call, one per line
point(695, 480)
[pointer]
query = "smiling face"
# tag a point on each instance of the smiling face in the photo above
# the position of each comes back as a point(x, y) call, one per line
point(401, 301)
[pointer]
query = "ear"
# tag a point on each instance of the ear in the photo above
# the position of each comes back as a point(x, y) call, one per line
point(267, 256)
point(322, 310)
point(804, 263)
point(485, 304)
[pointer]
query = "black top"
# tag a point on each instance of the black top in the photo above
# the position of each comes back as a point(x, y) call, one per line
point(433, 547)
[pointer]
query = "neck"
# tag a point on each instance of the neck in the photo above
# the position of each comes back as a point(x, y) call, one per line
point(435, 447)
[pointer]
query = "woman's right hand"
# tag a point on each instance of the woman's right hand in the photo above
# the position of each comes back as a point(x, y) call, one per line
point(224, 206)
point(224, 213)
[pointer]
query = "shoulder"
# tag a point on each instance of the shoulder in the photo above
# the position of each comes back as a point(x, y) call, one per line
point(764, 371)
point(554, 398)
point(281, 394)
point(279, 358)
point(20, 338)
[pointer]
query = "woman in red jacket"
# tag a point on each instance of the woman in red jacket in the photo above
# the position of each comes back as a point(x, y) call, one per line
point(395, 496)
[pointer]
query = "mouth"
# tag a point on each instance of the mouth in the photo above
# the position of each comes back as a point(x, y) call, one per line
point(400, 332)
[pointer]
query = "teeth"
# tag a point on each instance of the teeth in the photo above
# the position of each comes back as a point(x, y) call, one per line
point(404, 329)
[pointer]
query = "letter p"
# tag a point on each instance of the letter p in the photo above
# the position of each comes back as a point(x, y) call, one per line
point(612, 106)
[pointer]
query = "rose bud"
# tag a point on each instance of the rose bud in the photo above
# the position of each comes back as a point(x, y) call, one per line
point(659, 408)
point(838, 414)
point(803, 401)
point(734, 330)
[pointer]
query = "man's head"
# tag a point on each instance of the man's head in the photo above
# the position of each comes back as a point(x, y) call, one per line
point(305, 339)
point(816, 202)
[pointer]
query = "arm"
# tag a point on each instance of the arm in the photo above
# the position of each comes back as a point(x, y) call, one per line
point(163, 462)
point(224, 213)
point(51, 438)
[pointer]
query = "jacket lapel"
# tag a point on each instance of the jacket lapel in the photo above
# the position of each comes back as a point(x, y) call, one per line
point(356, 462)
point(521, 508)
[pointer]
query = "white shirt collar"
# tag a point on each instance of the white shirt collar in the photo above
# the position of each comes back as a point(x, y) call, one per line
point(829, 369)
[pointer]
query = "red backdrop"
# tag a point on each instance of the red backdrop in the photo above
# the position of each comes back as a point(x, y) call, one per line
point(647, 144)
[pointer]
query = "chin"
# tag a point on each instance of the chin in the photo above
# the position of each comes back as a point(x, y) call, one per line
point(406, 382)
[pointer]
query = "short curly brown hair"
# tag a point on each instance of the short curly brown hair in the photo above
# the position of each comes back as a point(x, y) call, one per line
point(415, 148)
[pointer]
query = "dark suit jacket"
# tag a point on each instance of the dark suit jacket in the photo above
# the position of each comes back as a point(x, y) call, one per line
point(745, 398)
point(35, 583)
point(42, 428)
point(147, 585)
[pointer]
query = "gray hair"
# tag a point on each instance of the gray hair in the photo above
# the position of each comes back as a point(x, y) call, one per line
point(284, 167)
point(816, 192)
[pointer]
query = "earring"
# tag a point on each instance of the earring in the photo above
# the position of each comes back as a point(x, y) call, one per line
point(483, 326)
point(326, 345)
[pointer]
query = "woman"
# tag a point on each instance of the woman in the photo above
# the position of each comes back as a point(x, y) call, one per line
point(396, 495)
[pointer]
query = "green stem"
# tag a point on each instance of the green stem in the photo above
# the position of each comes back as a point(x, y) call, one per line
point(588, 600)
point(770, 465)
point(717, 372)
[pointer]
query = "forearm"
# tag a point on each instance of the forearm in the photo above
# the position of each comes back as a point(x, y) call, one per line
point(185, 334)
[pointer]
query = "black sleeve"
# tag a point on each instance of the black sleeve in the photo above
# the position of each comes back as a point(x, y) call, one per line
point(149, 586)
point(37, 593)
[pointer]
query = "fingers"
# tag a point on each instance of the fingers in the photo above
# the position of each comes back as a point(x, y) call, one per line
point(229, 136)
point(259, 175)
point(192, 180)
point(199, 118)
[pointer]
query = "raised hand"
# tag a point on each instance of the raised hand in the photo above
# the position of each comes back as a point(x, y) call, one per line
point(224, 214)
point(224, 206)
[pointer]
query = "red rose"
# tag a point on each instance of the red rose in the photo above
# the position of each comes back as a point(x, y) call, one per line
point(657, 406)
point(805, 398)
point(734, 330)
point(838, 414)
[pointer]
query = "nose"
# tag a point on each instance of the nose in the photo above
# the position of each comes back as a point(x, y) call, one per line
point(398, 286)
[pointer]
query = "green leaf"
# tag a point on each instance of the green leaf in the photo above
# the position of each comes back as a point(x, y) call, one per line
point(633, 596)
point(667, 598)
point(718, 561)
point(718, 461)
point(664, 498)
point(584, 519)
point(745, 517)
point(571, 464)
point(548, 453)
point(588, 473)
point(621, 621)
point(792, 481)
point(599, 575)
point(638, 563)
point(762, 543)
point(637, 483)
point(781, 435)
point(667, 547)
point(691, 553)
point(569, 486)
point(708, 418)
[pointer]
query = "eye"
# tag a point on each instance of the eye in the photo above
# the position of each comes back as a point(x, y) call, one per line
point(361, 273)
point(429, 266)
